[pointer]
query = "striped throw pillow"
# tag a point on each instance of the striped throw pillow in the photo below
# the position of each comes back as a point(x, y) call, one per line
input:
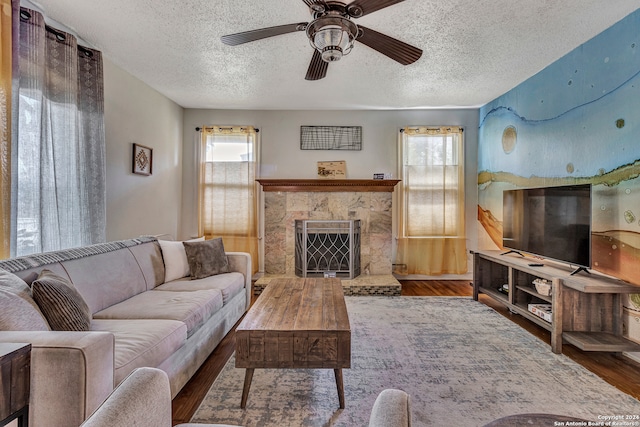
point(60, 302)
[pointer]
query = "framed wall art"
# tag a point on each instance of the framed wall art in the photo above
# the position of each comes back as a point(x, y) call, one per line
point(331, 138)
point(142, 159)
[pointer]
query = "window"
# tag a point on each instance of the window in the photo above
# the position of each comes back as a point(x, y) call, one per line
point(227, 193)
point(58, 186)
point(431, 236)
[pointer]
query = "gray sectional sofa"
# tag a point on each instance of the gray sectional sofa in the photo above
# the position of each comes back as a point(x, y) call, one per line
point(138, 319)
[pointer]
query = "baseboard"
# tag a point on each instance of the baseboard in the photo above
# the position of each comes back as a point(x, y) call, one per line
point(633, 356)
point(467, 276)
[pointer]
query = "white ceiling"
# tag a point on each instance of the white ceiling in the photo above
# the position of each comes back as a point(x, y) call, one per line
point(474, 50)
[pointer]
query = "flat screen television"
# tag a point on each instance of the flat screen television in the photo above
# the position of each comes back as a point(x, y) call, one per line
point(550, 222)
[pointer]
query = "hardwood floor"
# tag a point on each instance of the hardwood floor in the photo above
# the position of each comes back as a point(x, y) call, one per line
point(618, 371)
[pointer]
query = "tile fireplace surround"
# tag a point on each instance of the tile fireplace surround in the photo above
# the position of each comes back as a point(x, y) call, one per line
point(286, 200)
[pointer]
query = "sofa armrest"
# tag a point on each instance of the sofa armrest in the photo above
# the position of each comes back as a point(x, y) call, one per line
point(72, 373)
point(241, 262)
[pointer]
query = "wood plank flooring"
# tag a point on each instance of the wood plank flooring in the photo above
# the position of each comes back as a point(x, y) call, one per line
point(617, 370)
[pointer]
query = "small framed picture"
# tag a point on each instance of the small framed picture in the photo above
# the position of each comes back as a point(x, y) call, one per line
point(332, 170)
point(142, 159)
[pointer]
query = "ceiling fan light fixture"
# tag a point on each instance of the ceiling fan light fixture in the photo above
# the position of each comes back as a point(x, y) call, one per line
point(332, 36)
point(332, 42)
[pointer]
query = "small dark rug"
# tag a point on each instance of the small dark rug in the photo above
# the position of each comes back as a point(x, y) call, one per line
point(462, 363)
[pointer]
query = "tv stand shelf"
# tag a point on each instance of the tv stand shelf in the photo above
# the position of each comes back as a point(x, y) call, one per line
point(531, 291)
point(586, 309)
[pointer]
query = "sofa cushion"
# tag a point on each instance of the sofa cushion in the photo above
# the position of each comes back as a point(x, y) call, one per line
point(142, 342)
point(19, 311)
point(149, 258)
point(192, 308)
point(206, 258)
point(106, 278)
point(230, 284)
point(176, 265)
point(61, 304)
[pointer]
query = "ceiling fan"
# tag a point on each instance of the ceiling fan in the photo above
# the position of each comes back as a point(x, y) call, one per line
point(332, 34)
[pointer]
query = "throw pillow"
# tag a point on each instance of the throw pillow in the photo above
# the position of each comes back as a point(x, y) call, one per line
point(206, 258)
point(61, 303)
point(176, 265)
point(13, 282)
point(19, 311)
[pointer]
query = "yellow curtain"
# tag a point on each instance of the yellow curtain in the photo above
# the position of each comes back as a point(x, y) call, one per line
point(431, 237)
point(228, 196)
point(432, 256)
point(5, 126)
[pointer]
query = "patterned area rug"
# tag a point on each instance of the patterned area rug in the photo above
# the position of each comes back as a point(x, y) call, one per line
point(462, 363)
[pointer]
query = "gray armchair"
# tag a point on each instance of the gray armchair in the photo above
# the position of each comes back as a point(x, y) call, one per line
point(143, 399)
point(392, 408)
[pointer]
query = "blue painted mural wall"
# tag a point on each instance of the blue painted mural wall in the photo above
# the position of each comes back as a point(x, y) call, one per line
point(576, 121)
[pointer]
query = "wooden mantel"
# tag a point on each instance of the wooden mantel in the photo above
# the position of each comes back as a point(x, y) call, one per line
point(329, 185)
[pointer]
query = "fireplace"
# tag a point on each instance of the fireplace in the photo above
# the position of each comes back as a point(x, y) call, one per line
point(326, 248)
point(288, 200)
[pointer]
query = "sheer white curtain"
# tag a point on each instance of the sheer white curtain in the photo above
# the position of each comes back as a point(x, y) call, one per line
point(8, 15)
point(432, 237)
point(59, 182)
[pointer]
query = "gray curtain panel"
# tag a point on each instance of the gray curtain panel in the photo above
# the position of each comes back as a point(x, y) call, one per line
point(60, 180)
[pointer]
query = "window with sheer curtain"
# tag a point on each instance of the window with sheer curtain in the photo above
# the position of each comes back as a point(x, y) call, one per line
point(228, 196)
point(9, 9)
point(58, 191)
point(431, 239)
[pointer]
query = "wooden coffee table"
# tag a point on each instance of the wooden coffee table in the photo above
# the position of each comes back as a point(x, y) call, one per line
point(296, 323)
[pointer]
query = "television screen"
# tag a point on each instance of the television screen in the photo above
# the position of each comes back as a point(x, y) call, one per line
point(551, 222)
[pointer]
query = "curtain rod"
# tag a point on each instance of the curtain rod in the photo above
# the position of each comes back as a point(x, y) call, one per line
point(198, 129)
point(59, 34)
point(428, 128)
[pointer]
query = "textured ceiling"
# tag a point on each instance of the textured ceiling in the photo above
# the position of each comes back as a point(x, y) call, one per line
point(474, 50)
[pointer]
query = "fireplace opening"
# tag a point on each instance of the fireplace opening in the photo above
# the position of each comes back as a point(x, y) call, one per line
point(327, 248)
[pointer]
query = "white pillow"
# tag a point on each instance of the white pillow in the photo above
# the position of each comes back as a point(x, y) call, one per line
point(176, 265)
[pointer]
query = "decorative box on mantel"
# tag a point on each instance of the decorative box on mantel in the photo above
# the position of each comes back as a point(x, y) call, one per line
point(368, 200)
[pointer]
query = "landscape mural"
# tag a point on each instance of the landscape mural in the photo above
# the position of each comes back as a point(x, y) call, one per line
point(576, 121)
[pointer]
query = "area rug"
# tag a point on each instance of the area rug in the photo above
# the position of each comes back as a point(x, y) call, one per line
point(462, 363)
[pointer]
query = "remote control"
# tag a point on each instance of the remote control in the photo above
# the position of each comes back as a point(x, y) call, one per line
point(536, 265)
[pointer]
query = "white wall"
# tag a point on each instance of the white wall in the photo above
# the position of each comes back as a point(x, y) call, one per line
point(281, 156)
point(134, 112)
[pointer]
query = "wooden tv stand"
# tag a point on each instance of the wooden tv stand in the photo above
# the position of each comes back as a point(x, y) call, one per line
point(586, 308)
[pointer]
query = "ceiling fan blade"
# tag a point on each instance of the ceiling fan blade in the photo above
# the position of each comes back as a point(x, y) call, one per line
point(360, 8)
point(317, 68)
point(393, 48)
point(263, 33)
